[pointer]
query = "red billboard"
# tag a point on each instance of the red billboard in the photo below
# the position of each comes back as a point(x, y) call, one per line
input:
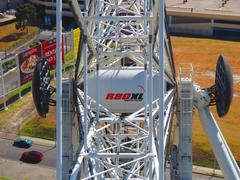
point(49, 52)
point(27, 62)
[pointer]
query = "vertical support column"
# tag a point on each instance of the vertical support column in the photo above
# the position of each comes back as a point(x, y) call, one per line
point(67, 116)
point(181, 152)
point(3, 87)
point(97, 65)
point(86, 4)
point(19, 79)
point(85, 89)
point(150, 99)
point(145, 85)
point(59, 89)
point(161, 27)
point(85, 111)
point(185, 127)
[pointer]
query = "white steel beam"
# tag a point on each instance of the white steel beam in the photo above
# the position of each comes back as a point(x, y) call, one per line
point(123, 145)
point(59, 88)
point(221, 150)
point(161, 29)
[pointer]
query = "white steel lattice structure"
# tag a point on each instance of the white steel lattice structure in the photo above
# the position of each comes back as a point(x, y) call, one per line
point(124, 95)
point(181, 164)
point(115, 144)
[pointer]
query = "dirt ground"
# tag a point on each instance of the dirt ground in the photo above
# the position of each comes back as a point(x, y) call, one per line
point(203, 54)
point(9, 36)
point(17, 113)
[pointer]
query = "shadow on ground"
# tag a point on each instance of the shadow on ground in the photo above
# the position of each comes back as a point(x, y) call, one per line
point(14, 98)
point(12, 37)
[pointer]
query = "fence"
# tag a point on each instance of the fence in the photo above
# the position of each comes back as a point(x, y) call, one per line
point(9, 77)
point(14, 75)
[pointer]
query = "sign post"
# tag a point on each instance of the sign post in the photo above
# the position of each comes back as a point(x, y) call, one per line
point(19, 79)
point(3, 87)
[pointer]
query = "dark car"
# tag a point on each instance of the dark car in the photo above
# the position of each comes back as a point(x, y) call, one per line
point(22, 142)
point(32, 156)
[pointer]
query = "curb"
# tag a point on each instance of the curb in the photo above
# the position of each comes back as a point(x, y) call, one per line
point(48, 143)
point(39, 141)
point(8, 136)
point(204, 171)
point(207, 171)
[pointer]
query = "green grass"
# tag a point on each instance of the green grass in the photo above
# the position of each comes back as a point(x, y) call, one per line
point(4, 178)
point(37, 129)
point(6, 115)
point(22, 88)
point(206, 164)
point(15, 93)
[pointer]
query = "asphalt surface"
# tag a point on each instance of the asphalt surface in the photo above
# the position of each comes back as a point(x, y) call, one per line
point(12, 153)
point(8, 151)
point(16, 170)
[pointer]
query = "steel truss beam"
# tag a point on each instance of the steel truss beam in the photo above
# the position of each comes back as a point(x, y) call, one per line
point(117, 145)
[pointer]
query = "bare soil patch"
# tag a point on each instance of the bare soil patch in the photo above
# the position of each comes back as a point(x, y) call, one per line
point(203, 54)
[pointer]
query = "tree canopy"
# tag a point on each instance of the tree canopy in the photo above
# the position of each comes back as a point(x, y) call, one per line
point(26, 15)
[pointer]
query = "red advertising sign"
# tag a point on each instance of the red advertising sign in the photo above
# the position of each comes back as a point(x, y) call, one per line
point(125, 96)
point(49, 52)
point(27, 62)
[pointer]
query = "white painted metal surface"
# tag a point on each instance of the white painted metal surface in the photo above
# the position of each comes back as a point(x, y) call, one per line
point(67, 120)
point(161, 59)
point(131, 143)
point(220, 148)
point(59, 89)
point(121, 138)
point(185, 110)
point(122, 90)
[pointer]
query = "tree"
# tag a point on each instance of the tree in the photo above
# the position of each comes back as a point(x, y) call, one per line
point(26, 15)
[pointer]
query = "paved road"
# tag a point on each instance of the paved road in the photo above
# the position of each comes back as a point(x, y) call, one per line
point(17, 170)
point(10, 152)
